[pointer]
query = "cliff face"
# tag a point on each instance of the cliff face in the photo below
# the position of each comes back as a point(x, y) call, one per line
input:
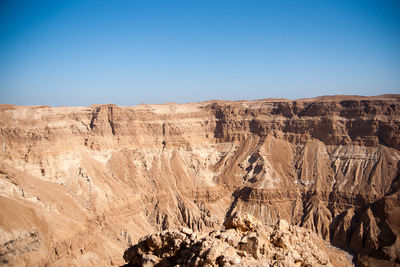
point(78, 185)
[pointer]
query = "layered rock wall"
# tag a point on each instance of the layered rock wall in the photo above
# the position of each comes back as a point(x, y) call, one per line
point(80, 184)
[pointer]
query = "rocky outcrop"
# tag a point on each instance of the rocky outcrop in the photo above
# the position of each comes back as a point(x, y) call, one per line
point(243, 242)
point(89, 181)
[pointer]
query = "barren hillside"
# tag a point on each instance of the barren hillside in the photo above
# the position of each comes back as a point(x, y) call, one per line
point(79, 185)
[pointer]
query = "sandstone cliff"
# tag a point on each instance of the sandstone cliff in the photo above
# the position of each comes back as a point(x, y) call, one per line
point(79, 185)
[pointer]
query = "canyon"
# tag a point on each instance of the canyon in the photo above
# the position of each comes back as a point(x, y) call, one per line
point(80, 185)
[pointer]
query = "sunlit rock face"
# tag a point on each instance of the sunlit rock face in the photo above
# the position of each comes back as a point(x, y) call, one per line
point(78, 185)
point(242, 242)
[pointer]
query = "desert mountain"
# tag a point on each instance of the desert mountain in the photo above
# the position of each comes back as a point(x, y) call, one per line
point(79, 185)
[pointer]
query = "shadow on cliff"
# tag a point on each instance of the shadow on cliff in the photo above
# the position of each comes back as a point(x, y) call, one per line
point(239, 193)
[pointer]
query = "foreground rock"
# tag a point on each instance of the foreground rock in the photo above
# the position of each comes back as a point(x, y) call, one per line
point(243, 242)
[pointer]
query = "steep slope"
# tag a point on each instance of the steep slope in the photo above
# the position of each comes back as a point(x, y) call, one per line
point(79, 185)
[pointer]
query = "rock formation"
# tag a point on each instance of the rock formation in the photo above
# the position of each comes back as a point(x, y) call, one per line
point(243, 242)
point(78, 185)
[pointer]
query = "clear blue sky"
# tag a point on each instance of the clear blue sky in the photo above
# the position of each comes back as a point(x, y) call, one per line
point(131, 52)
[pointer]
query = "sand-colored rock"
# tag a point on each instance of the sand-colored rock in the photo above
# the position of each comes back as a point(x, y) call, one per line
point(78, 185)
point(258, 247)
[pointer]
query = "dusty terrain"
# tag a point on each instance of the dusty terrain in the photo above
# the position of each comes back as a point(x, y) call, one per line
point(243, 241)
point(79, 185)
